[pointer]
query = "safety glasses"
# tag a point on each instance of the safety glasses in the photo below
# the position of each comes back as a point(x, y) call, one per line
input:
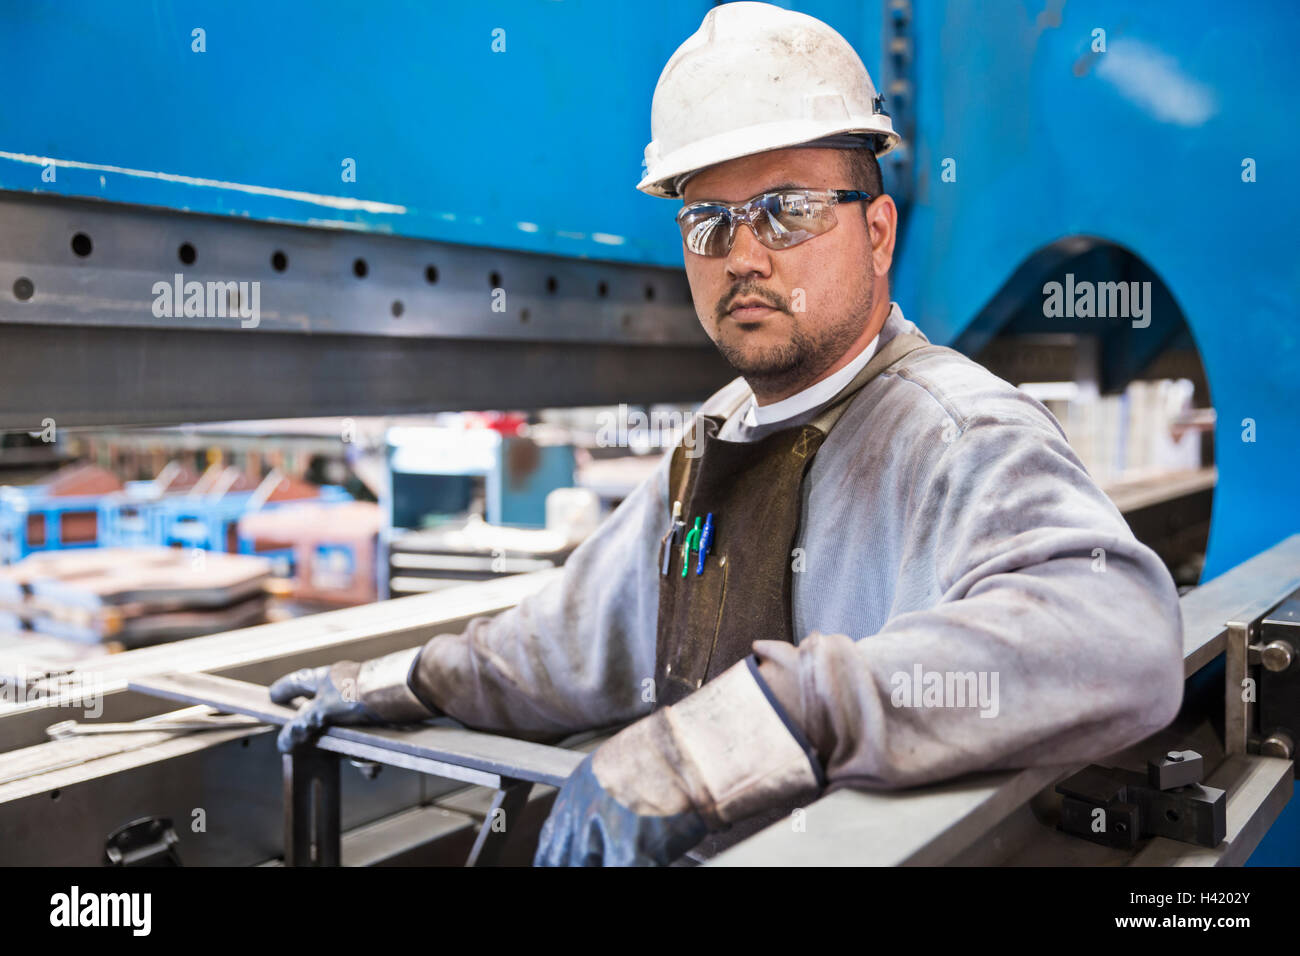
point(780, 219)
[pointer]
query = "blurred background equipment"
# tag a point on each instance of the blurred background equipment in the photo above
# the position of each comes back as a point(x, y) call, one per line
point(60, 512)
point(324, 552)
point(133, 597)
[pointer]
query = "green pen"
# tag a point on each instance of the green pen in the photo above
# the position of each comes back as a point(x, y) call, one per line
point(692, 537)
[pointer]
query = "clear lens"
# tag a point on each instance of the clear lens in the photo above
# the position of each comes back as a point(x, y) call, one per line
point(790, 218)
point(706, 230)
point(780, 220)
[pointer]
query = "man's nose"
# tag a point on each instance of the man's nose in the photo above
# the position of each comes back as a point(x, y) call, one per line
point(748, 256)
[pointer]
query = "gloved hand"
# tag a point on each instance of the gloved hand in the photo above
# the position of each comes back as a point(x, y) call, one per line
point(588, 826)
point(380, 690)
point(335, 698)
point(658, 787)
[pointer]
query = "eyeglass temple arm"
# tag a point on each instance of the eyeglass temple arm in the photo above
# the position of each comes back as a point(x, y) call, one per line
point(852, 195)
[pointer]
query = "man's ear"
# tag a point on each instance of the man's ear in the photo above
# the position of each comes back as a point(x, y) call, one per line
point(882, 229)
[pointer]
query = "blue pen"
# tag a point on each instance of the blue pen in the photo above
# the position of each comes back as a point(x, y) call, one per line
point(706, 542)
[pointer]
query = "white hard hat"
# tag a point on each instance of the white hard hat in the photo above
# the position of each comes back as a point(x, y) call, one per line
point(756, 77)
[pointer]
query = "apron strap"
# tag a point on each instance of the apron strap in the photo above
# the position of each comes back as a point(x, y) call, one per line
point(893, 350)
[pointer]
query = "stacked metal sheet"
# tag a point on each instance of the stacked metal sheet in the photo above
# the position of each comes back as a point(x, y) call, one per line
point(134, 596)
point(470, 550)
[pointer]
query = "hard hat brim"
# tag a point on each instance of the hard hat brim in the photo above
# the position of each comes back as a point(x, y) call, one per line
point(734, 144)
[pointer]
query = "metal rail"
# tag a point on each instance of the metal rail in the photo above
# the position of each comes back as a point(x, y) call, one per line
point(312, 802)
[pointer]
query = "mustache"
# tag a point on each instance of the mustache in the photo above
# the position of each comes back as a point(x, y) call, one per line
point(749, 290)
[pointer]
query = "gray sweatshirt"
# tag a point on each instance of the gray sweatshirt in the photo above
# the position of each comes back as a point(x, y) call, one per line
point(964, 597)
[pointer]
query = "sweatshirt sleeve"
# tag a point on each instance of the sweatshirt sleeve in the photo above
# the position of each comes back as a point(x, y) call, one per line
point(577, 655)
point(1061, 630)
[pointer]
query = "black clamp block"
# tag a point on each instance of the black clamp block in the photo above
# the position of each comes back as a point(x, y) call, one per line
point(1177, 768)
point(1115, 807)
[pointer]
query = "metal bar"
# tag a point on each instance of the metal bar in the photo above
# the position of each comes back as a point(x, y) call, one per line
point(311, 809)
point(1244, 593)
point(923, 827)
point(26, 768)
point(455, 747)
point(1236, 711)
point(68, 374)
point(475, 293)
point(502, 815)
point(394, 758)
point(73, 728)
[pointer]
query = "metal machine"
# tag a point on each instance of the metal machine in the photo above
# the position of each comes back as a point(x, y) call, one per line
point(451, 223)
point(213, 790)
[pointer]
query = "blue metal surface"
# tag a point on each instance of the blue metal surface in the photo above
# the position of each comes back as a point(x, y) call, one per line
point(1141, 145)
point(180, 519)
point(533, 148)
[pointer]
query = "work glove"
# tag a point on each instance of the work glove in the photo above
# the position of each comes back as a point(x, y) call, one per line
point(348, 693)
point(333, 699)
point(658, 787)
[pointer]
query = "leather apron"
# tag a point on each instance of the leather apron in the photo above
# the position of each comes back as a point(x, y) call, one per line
point(708, 621)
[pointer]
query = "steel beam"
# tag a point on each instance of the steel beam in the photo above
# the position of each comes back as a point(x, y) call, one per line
point(453, 749)
point(311, 809)
point(81, 376)
point(312, 806)
point(353, 324)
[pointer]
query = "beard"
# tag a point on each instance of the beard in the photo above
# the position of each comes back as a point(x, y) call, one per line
point(793, 365)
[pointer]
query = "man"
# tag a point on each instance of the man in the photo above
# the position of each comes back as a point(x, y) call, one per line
point(890, 568)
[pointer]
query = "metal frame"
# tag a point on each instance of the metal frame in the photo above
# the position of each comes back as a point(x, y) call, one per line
point(976, 819)
point(498, 328)
point(72, 792)
point(312, 805)
point(312, 831)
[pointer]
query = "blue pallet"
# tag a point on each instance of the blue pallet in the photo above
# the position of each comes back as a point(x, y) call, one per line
point(17, 505)
point(195, 522)
point(129, 520)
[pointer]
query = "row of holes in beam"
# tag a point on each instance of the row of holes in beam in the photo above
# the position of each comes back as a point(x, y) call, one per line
point(82, 246)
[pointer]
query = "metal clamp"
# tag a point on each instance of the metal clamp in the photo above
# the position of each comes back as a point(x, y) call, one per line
point(1262, 704)
point(149, 841)
point(1116, 807)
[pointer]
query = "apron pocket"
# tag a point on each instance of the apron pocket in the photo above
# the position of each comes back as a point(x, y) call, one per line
point(697, 612)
